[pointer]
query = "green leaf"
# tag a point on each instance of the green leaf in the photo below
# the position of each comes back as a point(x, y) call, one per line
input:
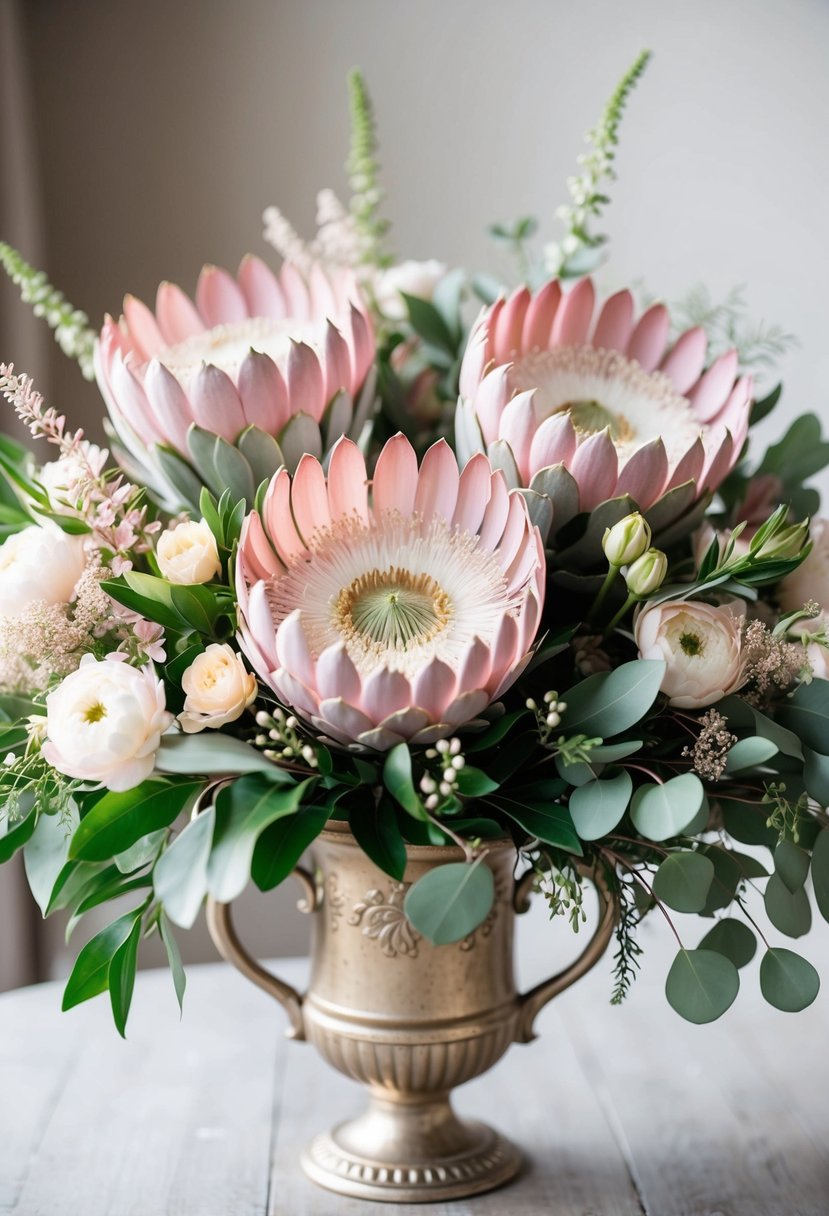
point(806, 714)
point(472, 783)
point(733, 939)
point(475, 827)
point(180, 476)
point(196, 606)
point(120, 819)
point(73, 882)
point(748, 824)
point(45, 854)
point(607, 753)
point(792, 864)
point(376, 832)
point(211, 753)
point(701, 985)
point(180, 874)
point(786, 741)
point(683, 881)
point(820, 872)
point(730, 870)
point(139, 854)
point(749, 753)
point(609, 702)
point(596, 808)
point(816, 776)
point(429, 324)
point(173, 958)
point(662, 811)
point(448, 902)
point(14, 835)
point(243, 811)
point(397, 777)
point(799, 454)
point(543, 819)
point(761, 408)
point(90, 974)
point(787, 980)
point(789, 912)
point(281, 845)
point(122, 978)
point(495, 733)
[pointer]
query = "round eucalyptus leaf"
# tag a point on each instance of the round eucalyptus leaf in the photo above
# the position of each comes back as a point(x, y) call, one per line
point(789, 912)
point(787, 980)
point(701, 985)
point(816, 776)
point(820, 872)
point(662, 811)
point(683, 881)
point(597, 807)
point(733, 939)
point(791, 863)
point(749, 753)
point(447, 903)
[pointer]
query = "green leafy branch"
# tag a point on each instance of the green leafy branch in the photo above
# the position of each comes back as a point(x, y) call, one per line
point(363, 174)
point(73, 333)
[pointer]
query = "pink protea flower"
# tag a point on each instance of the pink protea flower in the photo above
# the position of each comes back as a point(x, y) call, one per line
point(274, 365)
point(583, 411)
point(390, 613)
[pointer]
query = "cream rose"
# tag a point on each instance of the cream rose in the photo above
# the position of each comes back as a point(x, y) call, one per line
point(41, 563)
point(701, 645)
point(414, 278)
point(104, 723)
point(188, 553)
point(218, 689)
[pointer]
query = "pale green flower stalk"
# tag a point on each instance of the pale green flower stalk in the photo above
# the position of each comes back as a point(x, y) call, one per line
point(363, 175)
point(71, 326)
point(578, 252)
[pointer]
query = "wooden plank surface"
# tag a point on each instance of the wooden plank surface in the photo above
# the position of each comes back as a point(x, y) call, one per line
point(622, 1112)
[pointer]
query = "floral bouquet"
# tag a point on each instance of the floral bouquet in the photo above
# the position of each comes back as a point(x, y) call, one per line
point(367, 556)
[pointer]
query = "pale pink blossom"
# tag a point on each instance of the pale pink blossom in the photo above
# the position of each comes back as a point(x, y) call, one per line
point(701, 645)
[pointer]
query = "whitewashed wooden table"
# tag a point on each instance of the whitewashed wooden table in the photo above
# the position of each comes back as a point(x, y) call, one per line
point(621, 1112)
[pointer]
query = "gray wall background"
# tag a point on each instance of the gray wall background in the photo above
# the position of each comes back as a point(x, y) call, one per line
point(156, 134)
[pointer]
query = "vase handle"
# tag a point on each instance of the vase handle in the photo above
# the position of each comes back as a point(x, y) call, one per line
point(532, 1002)
point(225, 939)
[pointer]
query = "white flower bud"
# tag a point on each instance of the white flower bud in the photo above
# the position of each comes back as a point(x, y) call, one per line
point(627, 540)
point(458, 762)
point(647, 574)
point(188, 553)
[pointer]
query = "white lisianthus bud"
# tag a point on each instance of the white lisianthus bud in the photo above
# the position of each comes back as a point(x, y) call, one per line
point(414, 278)
point(40, 563)
point(627, 540)
point(218, 689)
point(647, 573)
point(701, 645)
point(188, 553)
point(104, 723)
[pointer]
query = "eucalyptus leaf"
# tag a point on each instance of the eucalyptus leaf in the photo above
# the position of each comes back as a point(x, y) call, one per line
point(683, 881)
point(210, 753)
point(450, 901)
point(596, 808)
point(792, 864)
point(660, 812)
point(816, 776)
point(173, 958)
point(541, 817)
point(787, 980)
point(144, 850)
point(749, 753)
point(820, 872)
point(790, 912)
point(806, 714)
point(609, 702)
point(733, 939)
point(701, 985)
point(180, 874)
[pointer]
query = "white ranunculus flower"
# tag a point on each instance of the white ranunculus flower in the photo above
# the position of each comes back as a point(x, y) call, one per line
point(218, 689)
point(701, 645)
point(41, 563)
point(188, 553)
point(414, 278)
point(104, 723)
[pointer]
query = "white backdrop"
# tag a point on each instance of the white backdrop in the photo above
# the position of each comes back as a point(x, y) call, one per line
point(165, 131)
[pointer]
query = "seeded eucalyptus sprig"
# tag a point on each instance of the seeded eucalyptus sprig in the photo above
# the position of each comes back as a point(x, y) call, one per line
point(71, 326)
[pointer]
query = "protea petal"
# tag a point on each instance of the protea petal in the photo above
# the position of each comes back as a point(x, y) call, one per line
point(574, 314)
point(219, 298)
point(649, 338)
point(615, 324)
point(395, 477)
point(684, 362)
point(216, 404)
point(517, 428)
point(437, 484)
point(594, 466)
point(645, 474)
point(510, 323)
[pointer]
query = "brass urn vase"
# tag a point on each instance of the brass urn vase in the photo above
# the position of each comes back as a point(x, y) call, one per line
point(407, 1019)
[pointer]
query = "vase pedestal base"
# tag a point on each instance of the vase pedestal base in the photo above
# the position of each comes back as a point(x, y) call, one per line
point(410, 1152)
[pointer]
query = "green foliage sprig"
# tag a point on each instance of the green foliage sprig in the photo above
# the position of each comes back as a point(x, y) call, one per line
point(71, 326)
point(363, 174)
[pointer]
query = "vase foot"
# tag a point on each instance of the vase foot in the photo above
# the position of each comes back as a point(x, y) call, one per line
point(410, 1153)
